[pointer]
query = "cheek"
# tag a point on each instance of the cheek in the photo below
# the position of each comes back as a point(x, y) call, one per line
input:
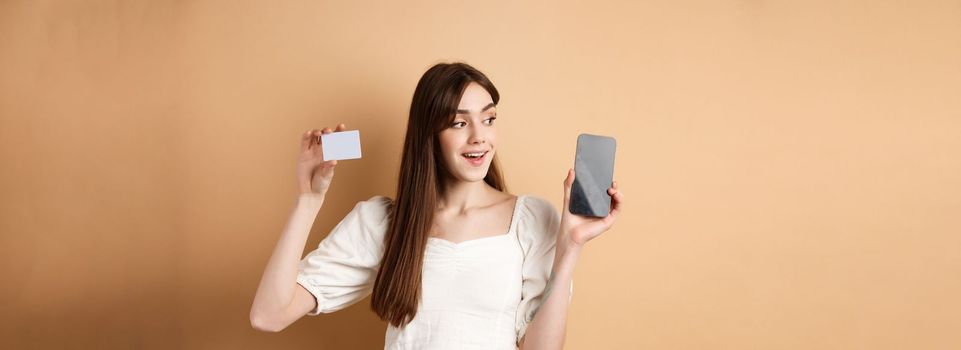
point(448, 143)
point(492, 133)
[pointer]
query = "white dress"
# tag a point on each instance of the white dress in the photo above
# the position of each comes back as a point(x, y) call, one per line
point(477, 294)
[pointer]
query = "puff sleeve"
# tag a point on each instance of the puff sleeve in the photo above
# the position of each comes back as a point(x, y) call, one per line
point(341, 271)
point(537, 232)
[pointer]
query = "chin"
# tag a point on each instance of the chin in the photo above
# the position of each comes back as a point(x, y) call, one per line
point(473, 176)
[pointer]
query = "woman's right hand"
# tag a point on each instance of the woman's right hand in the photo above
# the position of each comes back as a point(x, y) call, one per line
point(313, 173)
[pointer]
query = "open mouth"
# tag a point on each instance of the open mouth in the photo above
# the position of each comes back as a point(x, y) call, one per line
point(475, 158)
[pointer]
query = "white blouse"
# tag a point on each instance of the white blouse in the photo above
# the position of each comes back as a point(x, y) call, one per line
point(477, 294)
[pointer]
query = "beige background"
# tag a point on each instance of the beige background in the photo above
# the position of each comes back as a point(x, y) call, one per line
point(791, 168)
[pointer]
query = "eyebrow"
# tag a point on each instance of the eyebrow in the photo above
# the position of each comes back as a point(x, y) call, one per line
point(464, 111)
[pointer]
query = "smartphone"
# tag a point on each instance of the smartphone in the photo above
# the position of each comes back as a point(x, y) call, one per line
point(593, 175)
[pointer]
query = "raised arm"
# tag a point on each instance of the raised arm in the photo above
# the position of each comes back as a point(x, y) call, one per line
point(548, 330)
point(280, 301)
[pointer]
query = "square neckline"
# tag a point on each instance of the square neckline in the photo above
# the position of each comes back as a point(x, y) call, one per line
point(510, 229)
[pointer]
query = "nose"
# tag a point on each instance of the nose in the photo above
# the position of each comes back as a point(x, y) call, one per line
point(477, 135)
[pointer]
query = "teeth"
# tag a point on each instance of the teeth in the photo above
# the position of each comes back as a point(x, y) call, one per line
point(474, 155)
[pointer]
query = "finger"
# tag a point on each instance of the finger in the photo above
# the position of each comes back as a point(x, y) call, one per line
point(616, 201)
point(609, 220)
point(568, 182)
point(611, 217)
point(305, 139)
point(341, 127)
point(611, 191)
point(315, 137)
point(323, 132)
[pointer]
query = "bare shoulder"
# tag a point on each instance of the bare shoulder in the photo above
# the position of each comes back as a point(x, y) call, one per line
point(500, 200)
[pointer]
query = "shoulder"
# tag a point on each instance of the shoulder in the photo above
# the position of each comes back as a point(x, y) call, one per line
point(374, 209)
point(537, 222)
point(536, 208)
point(367, 223)
point(376, 203)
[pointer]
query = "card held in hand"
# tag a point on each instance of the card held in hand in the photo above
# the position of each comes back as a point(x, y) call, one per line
point(341, 145)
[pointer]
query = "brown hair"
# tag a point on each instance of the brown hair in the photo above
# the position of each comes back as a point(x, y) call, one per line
point(421, 182)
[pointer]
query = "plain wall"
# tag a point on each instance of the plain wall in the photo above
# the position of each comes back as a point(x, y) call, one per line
point(791, 168)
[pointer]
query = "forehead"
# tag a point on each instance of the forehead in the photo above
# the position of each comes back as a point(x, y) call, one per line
point(475, 97)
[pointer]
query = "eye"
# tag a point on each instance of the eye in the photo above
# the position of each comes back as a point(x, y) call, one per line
point(458, 125)
point(490, 121)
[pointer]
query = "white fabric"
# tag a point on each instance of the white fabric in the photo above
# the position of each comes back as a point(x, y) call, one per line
point(477, 294)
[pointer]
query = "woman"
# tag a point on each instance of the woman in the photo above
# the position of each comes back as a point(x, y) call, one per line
point(436, 259)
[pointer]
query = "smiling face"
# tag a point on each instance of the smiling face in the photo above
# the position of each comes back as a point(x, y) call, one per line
point(468, 143)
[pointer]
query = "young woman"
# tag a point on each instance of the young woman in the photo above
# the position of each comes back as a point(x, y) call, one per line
point(454, 261)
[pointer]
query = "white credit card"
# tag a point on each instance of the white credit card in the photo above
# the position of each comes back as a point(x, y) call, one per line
point(341, 145)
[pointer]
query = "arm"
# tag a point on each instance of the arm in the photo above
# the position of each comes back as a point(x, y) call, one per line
point(549, 326)
point(280, 300)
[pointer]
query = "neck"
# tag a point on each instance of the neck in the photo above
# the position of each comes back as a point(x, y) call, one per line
point(460, 195)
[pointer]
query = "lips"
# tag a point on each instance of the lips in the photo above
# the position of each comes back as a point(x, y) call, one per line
point(477, 160)
point(475, 154)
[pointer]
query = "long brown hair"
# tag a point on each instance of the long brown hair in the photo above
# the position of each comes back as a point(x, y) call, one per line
point(423, 175)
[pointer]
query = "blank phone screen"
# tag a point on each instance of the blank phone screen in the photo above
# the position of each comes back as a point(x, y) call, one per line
point(593, 175)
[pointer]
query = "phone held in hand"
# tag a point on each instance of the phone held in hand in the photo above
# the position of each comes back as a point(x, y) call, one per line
point(593, 175)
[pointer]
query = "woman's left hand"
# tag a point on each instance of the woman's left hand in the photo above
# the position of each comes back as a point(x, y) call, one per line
point(579, 229)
